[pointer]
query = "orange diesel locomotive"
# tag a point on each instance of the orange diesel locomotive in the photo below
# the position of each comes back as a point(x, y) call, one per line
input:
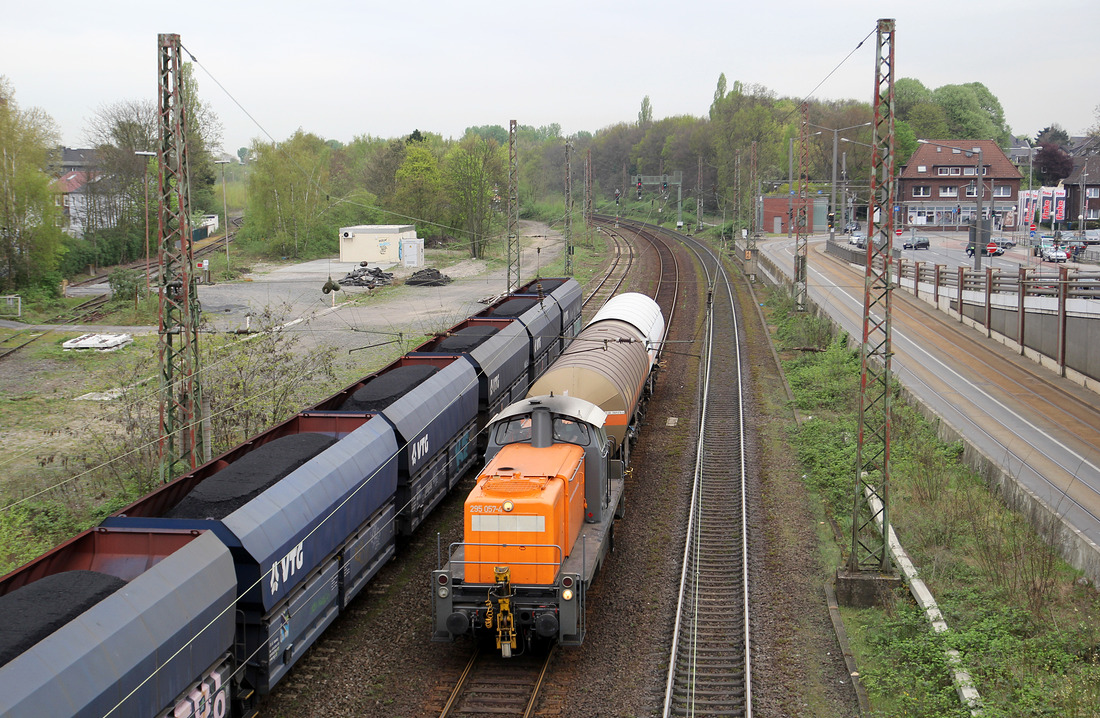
point(540, 520)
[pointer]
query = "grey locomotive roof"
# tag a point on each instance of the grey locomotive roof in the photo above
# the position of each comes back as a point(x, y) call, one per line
point(568, 405)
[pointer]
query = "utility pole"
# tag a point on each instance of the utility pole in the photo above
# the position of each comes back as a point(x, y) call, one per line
point(800, 219)
point(872, 482)
point(514, 250)
point(754, 227)
point(699, 198)
point(980, 240)
point(568, 209)
point(146, 155)
point(181, 438)
point(588, 187)
point(736, 188)
point(790, 187)
point(225, 211)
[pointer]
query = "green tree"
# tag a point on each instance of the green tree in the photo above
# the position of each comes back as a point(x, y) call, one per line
point(474, 169)
point(972, 112)
point(929, 121)
point(908, 94)
point(1053, 134)
point(719, 93)
point(286, 195)
point(204, 136)
point(242, 154)
point(419, 183)
point(30, 239)
point(645, 115)
point(490, 132)
point(992, 107)
point(747, 114)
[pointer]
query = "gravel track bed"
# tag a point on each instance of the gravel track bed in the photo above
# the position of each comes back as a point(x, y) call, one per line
point(378, 660)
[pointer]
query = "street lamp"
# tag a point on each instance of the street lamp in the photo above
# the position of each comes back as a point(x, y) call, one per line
point(979, 236)
point(225, 211)
point(145, 153)
point(832, 195)
point(856, 197)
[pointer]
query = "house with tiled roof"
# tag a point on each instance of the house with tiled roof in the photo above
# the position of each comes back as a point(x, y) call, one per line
point(74, 193)
point(937, 188)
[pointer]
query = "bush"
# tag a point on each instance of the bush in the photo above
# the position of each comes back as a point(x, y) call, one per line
point(126, 284)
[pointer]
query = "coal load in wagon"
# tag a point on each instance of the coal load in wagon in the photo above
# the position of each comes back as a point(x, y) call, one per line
point(514, 307)
point(428, 278)
point(545, 286)
point(465, 339)
point(384, 389)
point(38, 609)
point(249, 476)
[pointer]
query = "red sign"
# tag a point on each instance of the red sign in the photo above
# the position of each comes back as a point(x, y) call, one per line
point(991, 247)
point(1033, 228)
point(898, 231)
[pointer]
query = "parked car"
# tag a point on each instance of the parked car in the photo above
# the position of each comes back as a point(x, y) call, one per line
point(1054, 254)
point(997, 250)
point(851, 227)
point(856, 240)
point(916, 243)
point(1005, 242)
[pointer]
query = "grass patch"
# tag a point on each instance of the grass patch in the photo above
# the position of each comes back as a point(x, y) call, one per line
point(1024, 622)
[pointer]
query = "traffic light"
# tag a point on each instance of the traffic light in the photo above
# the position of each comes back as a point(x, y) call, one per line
point(616, 196)
point(832, 218)
point(639, 188)
point(664, 184)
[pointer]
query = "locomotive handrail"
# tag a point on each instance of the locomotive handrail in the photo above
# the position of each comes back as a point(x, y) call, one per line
point(454, 548)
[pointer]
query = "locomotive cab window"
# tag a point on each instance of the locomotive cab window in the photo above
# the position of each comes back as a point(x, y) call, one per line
point(571, 431)
point(514, 430)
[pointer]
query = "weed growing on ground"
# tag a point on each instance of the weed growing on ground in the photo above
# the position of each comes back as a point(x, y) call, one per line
point(1024, 623)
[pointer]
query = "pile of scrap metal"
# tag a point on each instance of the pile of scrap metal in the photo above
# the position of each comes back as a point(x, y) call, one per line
point(364, 276)
point(429, 277)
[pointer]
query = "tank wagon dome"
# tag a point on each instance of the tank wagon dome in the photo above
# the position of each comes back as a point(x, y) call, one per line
point(607, 365)
point(639, 311)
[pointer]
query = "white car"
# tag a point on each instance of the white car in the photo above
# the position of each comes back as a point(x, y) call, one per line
point(1054, 254)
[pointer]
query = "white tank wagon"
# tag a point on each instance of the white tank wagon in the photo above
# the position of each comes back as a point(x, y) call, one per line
point(610, 363)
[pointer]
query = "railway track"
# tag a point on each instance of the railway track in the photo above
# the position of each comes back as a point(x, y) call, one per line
point(622, 260)
point(709, 666)
point(88, 311)
point(665, 287)
point(84, 312)
point(491, 686)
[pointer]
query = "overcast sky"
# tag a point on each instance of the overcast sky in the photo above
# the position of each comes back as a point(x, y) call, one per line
point(343, 69)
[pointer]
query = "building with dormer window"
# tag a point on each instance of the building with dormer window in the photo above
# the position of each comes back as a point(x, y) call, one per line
point(937, 188)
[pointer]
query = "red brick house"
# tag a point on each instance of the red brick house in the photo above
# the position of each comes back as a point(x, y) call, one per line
point(937, 188)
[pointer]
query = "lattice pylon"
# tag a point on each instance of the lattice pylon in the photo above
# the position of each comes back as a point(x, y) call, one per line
point(514, 249)
point(869, 547)
point(568, 208)
point(180, 389)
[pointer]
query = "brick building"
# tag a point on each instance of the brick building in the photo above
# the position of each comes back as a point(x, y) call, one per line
point(937, 188)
